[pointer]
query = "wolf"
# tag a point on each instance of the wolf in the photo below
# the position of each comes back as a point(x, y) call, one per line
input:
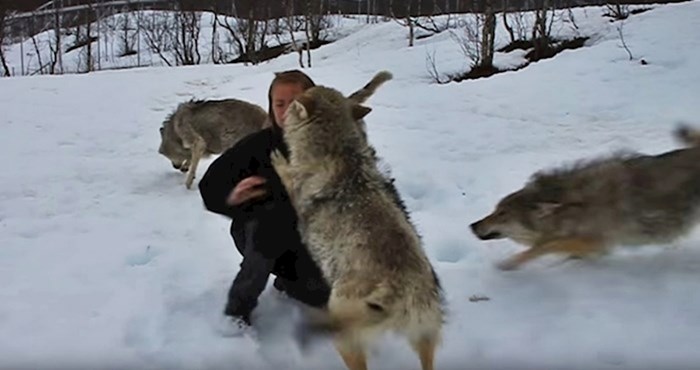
point(197, 129)
point(357, 229)
point(584, 209)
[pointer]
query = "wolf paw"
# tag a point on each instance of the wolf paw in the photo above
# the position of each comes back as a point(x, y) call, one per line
point(189, 181)
point(278, 159)
point(280, 164)
point(283, 168)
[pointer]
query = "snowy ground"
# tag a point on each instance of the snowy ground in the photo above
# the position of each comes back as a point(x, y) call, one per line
point(107, 261)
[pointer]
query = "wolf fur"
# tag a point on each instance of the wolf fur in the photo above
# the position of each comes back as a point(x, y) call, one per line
point(197, 129)
point(356, 230)
point(585, 209)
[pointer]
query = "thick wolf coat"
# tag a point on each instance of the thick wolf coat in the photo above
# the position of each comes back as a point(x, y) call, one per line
point(585, 209)
point(197, 129)
point(356, 229)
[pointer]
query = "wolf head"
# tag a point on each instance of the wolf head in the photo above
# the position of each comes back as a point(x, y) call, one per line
point(322, 105)
point(321, 120)
point(171, 147)
point(524, 216)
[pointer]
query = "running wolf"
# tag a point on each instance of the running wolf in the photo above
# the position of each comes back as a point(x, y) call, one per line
point(197, 129)
point(585, 209)
point(355, 228)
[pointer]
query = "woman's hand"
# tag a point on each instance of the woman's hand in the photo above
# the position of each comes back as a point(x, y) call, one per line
point(249, 188)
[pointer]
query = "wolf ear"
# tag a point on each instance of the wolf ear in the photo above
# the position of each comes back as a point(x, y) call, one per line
point(360, 111)
point(304, 106)
point(298, 110)
point(545, 209)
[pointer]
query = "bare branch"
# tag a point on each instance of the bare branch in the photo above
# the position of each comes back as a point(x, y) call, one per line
point(622, 39)
point(431, 66)
point(157, 32)
point(469, 39)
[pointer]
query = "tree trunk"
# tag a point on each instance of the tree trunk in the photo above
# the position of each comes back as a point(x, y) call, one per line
point(488, 35)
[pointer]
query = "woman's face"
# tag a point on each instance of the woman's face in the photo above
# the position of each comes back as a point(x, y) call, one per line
point(282, 96)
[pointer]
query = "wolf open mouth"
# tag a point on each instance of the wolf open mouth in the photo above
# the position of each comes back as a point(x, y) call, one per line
point(491, 235)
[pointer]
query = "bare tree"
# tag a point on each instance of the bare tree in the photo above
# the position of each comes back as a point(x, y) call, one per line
point(37, 50)
point(477, 35)
point(55, 45)
point(617, 11)
point(429, 22)
point(406, 19)
point(246, 32)
point(127, 35)
point(571, 19)
point(315, 21)
point(4, 14)
point(291, 24)
point(86, 51)
point(116, 26)
point(186, 40)
point(217, 54)
point(138, 36)
point(309, 27)
point(542, 28)
point(515, 22)
point(157, 28)
point(488, 35)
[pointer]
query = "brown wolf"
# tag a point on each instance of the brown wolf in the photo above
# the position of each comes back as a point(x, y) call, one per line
point(356, 229)
point(197, 129)
point(587, 208)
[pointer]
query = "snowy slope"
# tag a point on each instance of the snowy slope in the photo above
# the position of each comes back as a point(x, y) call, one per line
point(107, 261)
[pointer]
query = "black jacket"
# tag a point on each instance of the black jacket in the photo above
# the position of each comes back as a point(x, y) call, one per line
point(264, 230)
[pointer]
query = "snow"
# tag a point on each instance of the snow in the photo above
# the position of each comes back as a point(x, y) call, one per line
point(107, 261)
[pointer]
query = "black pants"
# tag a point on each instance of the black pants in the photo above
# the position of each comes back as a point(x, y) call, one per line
point(297, 274)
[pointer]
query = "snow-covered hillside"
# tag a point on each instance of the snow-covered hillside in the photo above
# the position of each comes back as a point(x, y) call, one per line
point(139, 33)
point(107, 261)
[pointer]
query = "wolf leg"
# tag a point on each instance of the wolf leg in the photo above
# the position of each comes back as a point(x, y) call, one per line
point(353, 355)
point(283, 169)
point(198, 149)
point(577, 247)
point(425, 348)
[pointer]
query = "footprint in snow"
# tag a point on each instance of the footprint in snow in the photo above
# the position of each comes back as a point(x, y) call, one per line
point(143, 258)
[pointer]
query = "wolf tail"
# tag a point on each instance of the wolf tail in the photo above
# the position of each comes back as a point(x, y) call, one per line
point(687, 135)
point(361, 95)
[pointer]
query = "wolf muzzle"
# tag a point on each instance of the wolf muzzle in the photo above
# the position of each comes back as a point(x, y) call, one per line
point(181, 167)
point(477, 229)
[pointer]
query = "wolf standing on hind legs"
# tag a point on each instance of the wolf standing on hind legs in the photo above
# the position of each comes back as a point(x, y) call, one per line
point(242, 185)
point(582, 211)
point(369, 252)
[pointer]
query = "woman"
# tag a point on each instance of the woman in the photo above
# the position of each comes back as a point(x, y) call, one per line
point(243, 185)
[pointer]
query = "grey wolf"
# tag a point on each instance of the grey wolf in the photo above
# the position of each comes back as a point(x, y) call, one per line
point(583, 210)
point(197, 129)
point(368, 250)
